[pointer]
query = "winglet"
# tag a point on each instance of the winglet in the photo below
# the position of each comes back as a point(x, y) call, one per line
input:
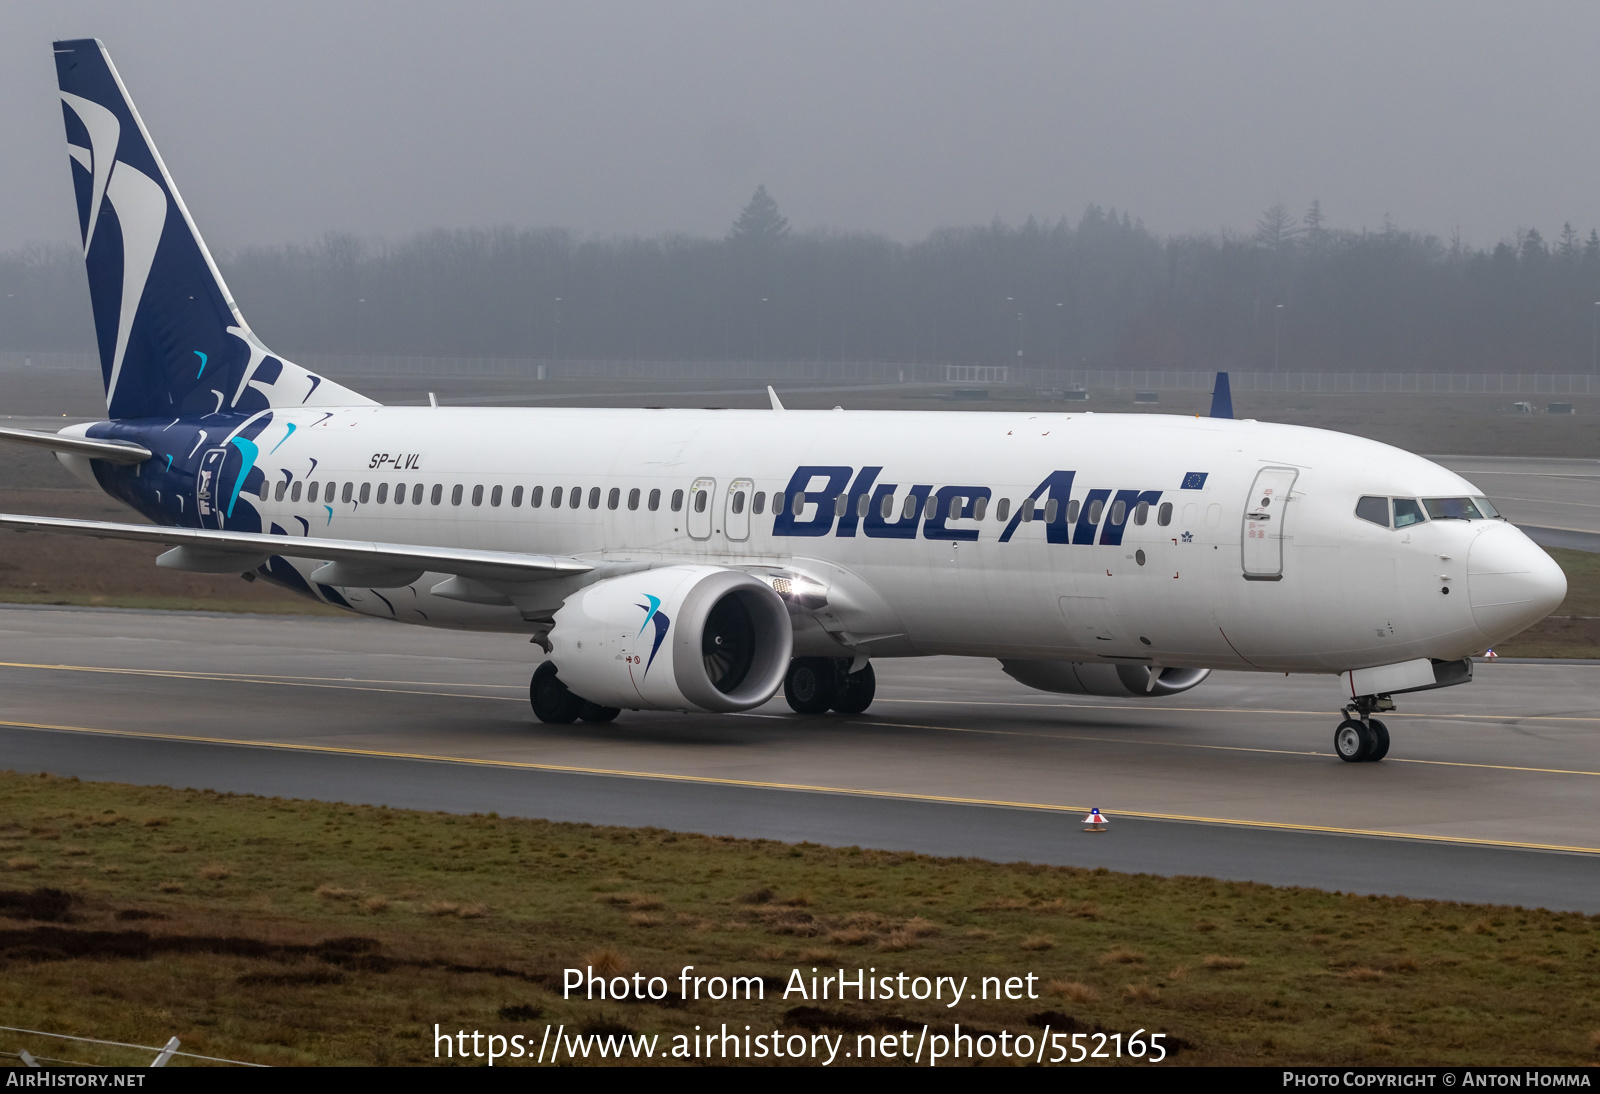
point(1221, 398)
point(773, 395)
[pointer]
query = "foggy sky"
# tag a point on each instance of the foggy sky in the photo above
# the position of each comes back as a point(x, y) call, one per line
point(282, 121)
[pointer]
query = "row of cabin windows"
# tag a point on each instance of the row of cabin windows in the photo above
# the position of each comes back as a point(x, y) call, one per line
point(960, 508)
point(418, 493)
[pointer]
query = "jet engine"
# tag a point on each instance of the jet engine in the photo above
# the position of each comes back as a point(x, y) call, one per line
point(677, 638)
point(1121, 681)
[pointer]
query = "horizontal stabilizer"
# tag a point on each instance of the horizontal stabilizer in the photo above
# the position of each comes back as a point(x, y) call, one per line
point(205, 546)
point(109, 451)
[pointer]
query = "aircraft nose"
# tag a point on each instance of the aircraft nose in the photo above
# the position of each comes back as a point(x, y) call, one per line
point(1511, 582)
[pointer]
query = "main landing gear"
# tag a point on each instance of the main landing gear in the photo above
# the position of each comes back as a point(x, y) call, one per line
point(815, 685)
point(552, 702)
point(1361, 738)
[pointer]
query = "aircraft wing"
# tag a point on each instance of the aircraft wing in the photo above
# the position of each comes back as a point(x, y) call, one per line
point(354, 562)
point(109, 451)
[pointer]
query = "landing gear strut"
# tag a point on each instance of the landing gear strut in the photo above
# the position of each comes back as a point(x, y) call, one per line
point(1361, 738)
point(815, 685)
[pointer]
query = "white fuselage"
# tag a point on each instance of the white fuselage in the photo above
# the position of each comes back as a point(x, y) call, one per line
point(1349, 594)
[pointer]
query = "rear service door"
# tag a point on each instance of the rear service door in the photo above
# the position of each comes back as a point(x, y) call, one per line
point(208, 489)
point(1266, 513)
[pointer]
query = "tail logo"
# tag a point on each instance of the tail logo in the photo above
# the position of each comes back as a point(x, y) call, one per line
point(654, 614)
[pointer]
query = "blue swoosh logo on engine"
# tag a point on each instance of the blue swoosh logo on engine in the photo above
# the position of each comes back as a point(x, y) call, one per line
point(653, 613)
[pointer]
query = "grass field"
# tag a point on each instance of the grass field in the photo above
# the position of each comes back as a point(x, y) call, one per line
point(289, 932)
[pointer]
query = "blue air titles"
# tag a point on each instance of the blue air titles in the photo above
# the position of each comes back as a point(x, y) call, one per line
point(868, 508)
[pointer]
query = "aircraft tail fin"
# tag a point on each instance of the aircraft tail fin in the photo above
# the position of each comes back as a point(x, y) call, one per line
point(1221, 397)
point(171, 338)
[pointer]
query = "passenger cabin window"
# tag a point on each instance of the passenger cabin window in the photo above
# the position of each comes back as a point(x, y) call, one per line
point(979, 507)
point(516, 496)
point(495, 495)
point(1027, 510)
point(277, 495)
point(594, 497)
point(400, 493)
point(575, 497)
point(1072, 511)
point(438, 494)
point(677, 501)
point(383, 492)
point(614, 498)
point(1002, 509)
point(797, 504)
point(345, 495)
point(777, 502)
point(885, 507)
point(633, 499)
point(416, 495)
point(700, 502)
point(738, 502)
point(1141, 512)
point(311, 494)
point(1407, 512)
point(1375, 510)
point(1050, 511)
point(294, 495)
point(477, 494)
point(758, 503)
point(555, 497)
point(455, 494)
point(1164, 514)
point(655, 500)
point(536, 497)
point(366, 492)
point(863, 503)
point(1119, 512)
point(1096, 507)
point(910, 511)
point(841, 504)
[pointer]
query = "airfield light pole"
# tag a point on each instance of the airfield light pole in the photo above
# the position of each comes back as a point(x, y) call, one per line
point(1594, 352)
point(761, 330)
point(1277, 334)
point(1013, 300)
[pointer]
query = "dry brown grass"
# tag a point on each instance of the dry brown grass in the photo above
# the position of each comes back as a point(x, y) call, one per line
point(606, 961)
point(1073, 991)
point(1364, 974)
point(645, 919)
point(214, 872)
point(1221, 961)
point(1121, 955)
point(337, 893)
point(22, 862)
point(172, 885)
point(824, 957)
point(1037, 942)
point(1142, 993)
point(897, 942)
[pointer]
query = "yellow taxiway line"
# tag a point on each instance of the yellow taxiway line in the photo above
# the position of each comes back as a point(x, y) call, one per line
point(755, 784)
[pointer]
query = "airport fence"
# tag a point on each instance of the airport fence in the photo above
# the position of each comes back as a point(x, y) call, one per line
point(885, 372)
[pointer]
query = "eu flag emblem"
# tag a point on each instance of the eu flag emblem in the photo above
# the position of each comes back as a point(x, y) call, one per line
point(1194, 480)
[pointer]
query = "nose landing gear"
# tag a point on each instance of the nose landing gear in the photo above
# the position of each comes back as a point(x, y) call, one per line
point(1361, 738)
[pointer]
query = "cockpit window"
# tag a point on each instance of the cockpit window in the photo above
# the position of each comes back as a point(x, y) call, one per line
point(1407, 512)
point(1374, 509)
point(1453, 509)
point(1486, 509)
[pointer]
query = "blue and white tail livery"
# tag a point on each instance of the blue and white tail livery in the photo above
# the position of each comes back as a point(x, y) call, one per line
point(171, 338)
point(704, 560)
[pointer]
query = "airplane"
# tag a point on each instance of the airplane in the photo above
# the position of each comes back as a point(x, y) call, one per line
point(702, 560)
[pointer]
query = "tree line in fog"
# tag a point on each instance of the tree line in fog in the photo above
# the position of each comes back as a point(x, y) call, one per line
point(1294, 295)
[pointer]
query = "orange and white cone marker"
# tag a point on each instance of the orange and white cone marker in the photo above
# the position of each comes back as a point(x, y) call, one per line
point(1094, 822)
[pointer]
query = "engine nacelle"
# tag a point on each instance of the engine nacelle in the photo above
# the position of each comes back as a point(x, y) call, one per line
point(1121, 681)
point(678, 638)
